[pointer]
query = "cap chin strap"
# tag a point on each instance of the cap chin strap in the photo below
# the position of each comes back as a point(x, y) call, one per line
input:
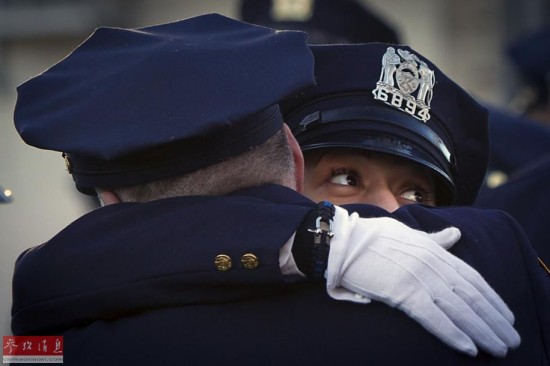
point(175, 158)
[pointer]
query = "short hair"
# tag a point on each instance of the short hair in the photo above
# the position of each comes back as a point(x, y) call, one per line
point(269, 162)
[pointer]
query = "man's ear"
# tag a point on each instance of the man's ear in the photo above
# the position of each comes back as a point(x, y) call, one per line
point(298, 159)
point(107, 197)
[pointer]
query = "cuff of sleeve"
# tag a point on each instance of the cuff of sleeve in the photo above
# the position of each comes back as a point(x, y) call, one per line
point(311, 245)
point(343, 294)
point(286, 259)
point(343, 226)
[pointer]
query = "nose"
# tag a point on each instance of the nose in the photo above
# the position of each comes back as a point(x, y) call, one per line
point(384, 198)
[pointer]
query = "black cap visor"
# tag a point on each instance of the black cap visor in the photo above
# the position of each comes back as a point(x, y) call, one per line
point(380, 130)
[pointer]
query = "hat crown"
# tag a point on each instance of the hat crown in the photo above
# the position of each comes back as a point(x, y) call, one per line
point(127, 91)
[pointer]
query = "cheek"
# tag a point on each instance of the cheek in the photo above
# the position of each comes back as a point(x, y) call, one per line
point(319, 191)
point(313, 191)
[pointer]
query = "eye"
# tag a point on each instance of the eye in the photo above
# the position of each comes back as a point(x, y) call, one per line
point(417, 195)
point(344, 177)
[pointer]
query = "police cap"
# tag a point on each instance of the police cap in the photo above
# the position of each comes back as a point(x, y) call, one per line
point(130, 106)
point(390, 99)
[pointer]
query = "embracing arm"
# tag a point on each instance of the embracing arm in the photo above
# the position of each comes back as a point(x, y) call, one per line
point(384, 260)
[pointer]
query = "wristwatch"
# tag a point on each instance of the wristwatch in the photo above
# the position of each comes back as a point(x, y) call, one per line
point(312, 241)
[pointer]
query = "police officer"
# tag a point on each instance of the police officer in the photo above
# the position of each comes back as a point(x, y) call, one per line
point(520, 145)
point(368, 117)
point(520, 140)
point(193, 257)
point(388, 99)
point(525, 197)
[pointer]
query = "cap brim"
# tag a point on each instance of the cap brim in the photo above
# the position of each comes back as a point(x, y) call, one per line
point(382, 135)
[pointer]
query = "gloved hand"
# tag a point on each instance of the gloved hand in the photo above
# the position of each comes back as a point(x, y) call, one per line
point(384, 260)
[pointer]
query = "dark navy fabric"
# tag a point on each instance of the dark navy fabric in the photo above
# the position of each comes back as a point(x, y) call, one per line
point(515, 141)
point(135, 284)
point(526, 197)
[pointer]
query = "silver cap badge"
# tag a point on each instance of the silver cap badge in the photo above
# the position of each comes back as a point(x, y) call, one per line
point(411, 75)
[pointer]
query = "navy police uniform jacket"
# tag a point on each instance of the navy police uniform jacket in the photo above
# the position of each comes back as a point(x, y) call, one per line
point(516, 141)
point(526, 197)
point(136, 284)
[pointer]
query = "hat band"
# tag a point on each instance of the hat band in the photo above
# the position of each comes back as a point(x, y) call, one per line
point(372, 114)
point(177, 158)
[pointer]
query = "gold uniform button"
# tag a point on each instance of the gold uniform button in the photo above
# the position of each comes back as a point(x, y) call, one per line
point(249, 261)
point(223, 262)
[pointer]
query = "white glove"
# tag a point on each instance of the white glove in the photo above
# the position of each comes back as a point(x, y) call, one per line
point(383, 259)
